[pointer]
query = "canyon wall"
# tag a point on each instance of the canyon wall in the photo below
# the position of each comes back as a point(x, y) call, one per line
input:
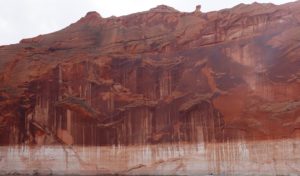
point(159, 77)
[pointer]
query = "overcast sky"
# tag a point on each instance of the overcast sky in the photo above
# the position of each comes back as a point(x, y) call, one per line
point(28, 18)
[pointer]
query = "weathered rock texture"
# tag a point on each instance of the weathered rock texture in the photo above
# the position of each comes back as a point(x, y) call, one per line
point(156, 77)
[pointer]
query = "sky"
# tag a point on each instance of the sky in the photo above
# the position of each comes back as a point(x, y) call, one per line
point(28, 18)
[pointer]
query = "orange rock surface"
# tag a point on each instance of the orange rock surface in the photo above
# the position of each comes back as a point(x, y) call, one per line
point(157, 76)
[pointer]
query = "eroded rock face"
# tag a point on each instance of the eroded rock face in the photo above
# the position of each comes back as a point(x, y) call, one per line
point(158, 76)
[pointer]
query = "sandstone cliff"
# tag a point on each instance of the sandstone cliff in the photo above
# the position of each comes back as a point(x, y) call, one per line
point(157, 76)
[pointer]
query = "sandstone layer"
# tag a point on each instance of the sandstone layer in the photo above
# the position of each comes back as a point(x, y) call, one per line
point(157, 77)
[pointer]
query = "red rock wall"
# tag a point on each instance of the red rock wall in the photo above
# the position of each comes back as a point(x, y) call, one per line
point(159, 76)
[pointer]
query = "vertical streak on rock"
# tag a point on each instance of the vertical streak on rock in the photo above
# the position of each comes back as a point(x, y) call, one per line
point(60, 81)
point(69, 122)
